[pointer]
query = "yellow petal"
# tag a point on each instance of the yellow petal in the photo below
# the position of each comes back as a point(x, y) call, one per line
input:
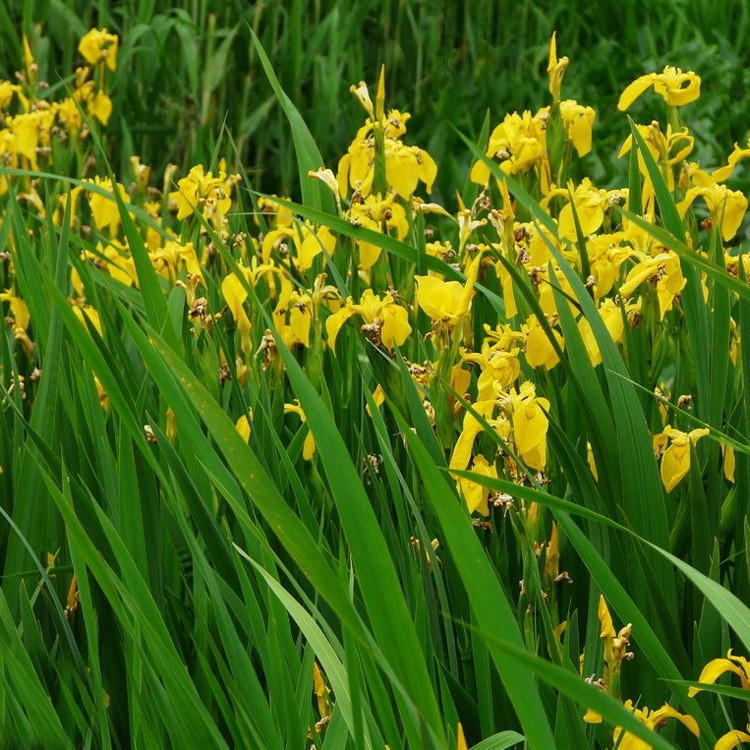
point(529, 426)
point(396, 328)
point(731, 740)
point(634, 90)
point(675, 464)
point(592, 717)
point(461, 739)
point(308, 447)
point(243, 427)
point(334, 323)
point(728, 451)
point(713, 670)
point(402, 171)
point(427, 169)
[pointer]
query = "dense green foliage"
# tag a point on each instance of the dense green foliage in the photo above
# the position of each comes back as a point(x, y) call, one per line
point(188, 70)
point(351, 471)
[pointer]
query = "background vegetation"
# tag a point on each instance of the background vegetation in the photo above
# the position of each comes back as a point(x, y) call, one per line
point(172, 586)
point(188, 73)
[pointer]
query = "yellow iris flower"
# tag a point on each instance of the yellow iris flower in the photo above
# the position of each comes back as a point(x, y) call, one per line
point(385, 322)
point(677, 88)
point(653, 720)
point(99, 45)
point(675, 459)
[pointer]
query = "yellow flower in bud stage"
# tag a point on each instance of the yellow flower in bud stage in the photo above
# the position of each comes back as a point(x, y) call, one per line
point(727, 206)
point(578, 122)
point(676, 88)
point(99, 45)
point(728, 463)
point(664, 272)
point(519, 142)
point(675, 460)
point(328, 178)
point(104, 208)
point(322, 691)
point(381, 214)
point(591, 460)
point(474, 494)
point(308, 447)
point(530, 425)
point(555, 69)
point(244, 426)
point(20, 310)
point(467, 224)
point(363, 94)
point(552, 571)
point(539, 350)
point(507, 287)
point(612, 316)
point(142, 173)
point(615, 651)
point(384, 321)
point(102, 394)
point(653, 720)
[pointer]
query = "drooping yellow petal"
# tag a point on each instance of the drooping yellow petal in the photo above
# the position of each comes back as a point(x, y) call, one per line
point(396, 328)
point(634, 90)
point(334, 323)
point(401, 169)
point(715, 669)
point(529, 428)
point(539, 350)
point(675, 464)
point(732, 739)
